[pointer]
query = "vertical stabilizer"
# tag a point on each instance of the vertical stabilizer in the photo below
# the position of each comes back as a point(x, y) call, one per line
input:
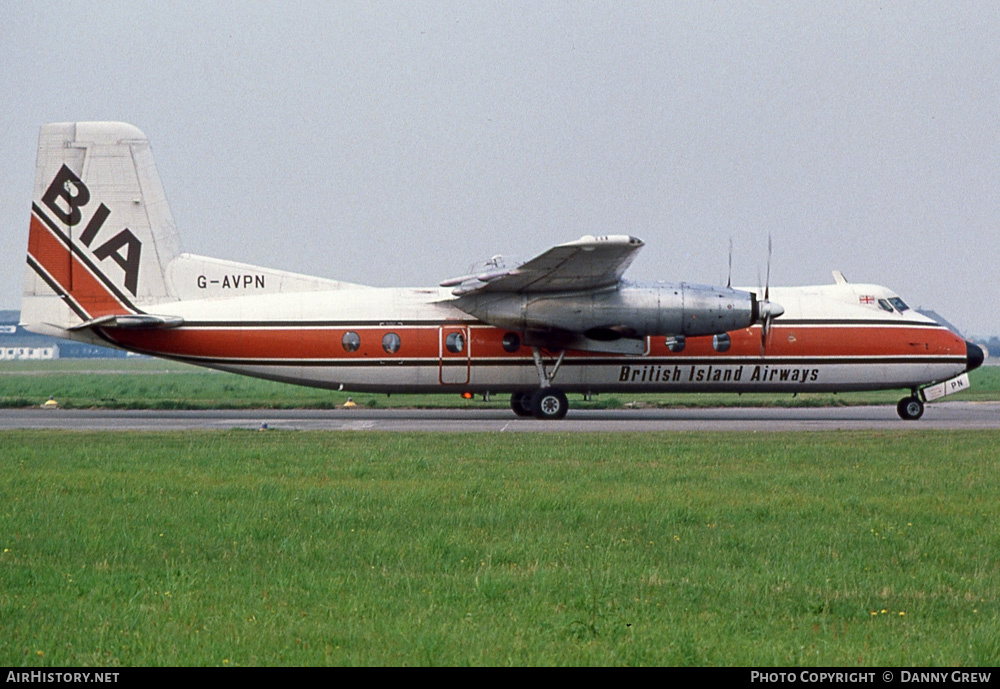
point(101, 233)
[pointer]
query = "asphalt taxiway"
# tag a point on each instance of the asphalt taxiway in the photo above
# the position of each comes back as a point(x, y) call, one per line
point(946, 415)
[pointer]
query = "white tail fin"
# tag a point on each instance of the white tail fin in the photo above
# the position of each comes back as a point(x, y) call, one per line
point(101, 232)
point(103, 250)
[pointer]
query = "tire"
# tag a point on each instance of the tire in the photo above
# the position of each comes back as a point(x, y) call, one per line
point(910, 408)
point(549, 404)
point(520, 403)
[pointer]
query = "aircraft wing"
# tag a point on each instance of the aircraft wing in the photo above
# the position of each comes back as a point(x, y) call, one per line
point(588, 263)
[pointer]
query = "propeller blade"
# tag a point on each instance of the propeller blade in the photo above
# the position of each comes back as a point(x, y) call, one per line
point(768, 311)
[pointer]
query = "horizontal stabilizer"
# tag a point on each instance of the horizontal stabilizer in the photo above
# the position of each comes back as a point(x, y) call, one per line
point(132, 321)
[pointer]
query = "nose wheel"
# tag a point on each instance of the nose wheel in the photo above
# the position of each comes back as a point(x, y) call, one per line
point(910, 408)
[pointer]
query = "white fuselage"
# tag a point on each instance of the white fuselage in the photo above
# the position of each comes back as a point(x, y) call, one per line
point(829, 339)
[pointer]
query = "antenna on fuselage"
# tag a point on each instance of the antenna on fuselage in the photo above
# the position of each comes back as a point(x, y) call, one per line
point(729, 278)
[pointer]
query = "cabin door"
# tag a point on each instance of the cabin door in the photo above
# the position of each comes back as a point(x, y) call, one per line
point(453, 354)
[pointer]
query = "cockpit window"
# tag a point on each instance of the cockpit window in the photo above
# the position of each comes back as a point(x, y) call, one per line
point(885, 305)
point(899, 304)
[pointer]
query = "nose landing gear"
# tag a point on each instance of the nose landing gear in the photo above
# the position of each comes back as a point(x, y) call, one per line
point(910, 408)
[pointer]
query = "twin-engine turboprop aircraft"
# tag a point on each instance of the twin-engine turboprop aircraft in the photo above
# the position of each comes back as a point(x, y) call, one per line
point(105, 266)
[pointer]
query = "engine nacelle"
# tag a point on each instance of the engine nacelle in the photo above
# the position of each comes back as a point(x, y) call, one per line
point(626, 311)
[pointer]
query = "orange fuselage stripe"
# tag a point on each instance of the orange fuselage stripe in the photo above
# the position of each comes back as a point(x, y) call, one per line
point(810, 341)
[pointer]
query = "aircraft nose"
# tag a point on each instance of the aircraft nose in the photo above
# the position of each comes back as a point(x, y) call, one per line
point(973, 356)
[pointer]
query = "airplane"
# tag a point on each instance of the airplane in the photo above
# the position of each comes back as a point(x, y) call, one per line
point(105, 266)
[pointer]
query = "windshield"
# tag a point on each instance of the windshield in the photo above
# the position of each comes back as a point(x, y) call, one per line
point(899, 304)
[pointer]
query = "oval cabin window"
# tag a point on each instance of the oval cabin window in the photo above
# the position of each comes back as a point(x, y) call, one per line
point(455, 343)
point(511, 342)
point(390, 343)
point(351, 342)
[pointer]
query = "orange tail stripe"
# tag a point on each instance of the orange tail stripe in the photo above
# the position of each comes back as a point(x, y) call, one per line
point(70, 274)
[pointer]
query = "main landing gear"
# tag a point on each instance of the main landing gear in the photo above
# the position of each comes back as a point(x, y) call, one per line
point(910, 408)
point(544, 403)
point(547, 402)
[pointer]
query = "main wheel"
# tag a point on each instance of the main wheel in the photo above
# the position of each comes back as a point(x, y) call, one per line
point(910, 408)
point(549, 404)
point(520, 403)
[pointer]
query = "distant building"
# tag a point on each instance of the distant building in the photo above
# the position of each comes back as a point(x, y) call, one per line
point(28, 348)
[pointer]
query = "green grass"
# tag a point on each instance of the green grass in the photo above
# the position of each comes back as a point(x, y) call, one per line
point(157, 384)
point(294, 548)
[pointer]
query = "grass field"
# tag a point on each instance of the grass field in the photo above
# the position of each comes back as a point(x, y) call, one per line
point(157, 384)
point(295, 548)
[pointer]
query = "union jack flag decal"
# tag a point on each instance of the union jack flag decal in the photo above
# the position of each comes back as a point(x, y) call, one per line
point(866, 299)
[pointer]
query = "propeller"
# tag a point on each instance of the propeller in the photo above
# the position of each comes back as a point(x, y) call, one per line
point(767, 310)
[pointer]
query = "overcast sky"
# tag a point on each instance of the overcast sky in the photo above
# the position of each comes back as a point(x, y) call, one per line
point(395, 143)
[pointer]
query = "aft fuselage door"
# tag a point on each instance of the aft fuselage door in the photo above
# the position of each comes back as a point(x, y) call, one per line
point(453, 353)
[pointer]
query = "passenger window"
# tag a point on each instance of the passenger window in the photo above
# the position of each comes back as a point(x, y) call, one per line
point(390, 343)
point(511, 342)
point(676, 343)
point(351, 342)
point(722, 342)
point(455, 343)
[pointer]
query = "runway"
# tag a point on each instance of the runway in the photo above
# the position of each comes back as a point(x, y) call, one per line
point(940, 416)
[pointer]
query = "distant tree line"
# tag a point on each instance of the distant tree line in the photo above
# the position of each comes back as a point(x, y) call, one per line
point(992, 345)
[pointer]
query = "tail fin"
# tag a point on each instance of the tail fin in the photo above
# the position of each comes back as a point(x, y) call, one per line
point(101, 233)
